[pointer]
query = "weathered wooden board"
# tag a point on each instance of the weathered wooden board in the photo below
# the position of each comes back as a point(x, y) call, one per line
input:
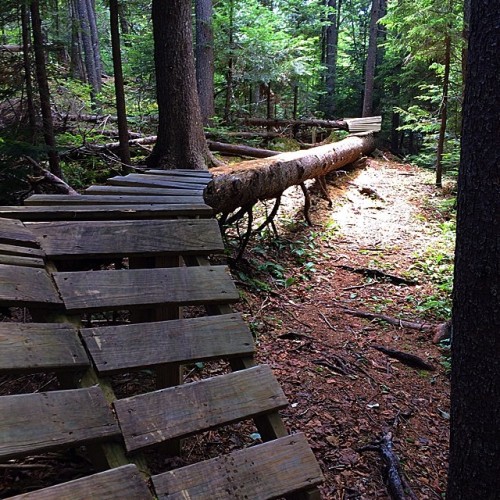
point(189, 195)
point(268, 470)
point(194, 181)
point(21, 251)
point(16, 260)
point(13, 232)
point(106, 290)
point(181, 173)
point(86, 199)
point(177, 341)
point(115, 484)
point(27, 286)
point(37, 422)
point(128, 238)
point(149, 419)
point(149, 181)
point(35, 347)
point(103, 212)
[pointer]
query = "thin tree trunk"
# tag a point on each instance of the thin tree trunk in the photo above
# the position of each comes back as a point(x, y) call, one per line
point(205, 58)
point(444, 111)
point(77, 67)
point(94, 37)
point(121, 110)
point(27, 70)
point(43, 89)
point(474, 471)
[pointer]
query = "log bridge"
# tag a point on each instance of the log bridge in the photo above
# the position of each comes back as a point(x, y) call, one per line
point(155, 234)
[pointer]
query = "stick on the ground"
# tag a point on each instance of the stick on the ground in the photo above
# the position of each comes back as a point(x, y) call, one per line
point(49, 177)
point(407, 359)
point(401, 323)
point(377, 273)
point(398, 486)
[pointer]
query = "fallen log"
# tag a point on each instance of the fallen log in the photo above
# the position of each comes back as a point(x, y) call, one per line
point(365, 124)
point(238, 150)
point(246, 183)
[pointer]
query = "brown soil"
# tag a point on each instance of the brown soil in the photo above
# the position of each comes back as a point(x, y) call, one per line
point(343, 393)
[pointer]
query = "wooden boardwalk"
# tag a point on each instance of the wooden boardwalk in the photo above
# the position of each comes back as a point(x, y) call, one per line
point(136, 251)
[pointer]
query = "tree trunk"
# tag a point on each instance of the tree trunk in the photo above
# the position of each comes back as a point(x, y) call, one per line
point(248, 182)
point(77, 68)
point(263, 122)
point(230, 64)
point(444, 111)
point(371, 58)
point(181, 142)
point(474, 471)
point(330, 57)
point(27, 70)
point(43, 89)
point(121, 110)
point(205, 58)
point(239, 150)
point(94, 37)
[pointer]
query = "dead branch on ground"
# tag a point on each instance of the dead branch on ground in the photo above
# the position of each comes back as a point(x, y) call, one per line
point(377, 273)
point(406, 358)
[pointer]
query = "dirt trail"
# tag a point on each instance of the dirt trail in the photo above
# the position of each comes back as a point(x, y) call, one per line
point(343, 393)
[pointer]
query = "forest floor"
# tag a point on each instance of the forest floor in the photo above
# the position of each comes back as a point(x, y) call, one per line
point(343, 393)
point(296, 287)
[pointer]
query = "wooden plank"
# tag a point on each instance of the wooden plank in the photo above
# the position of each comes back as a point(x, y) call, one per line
point(194, 181)
point(15, 260)
point(149, 181)
point(33, 423)
point(115, 484)
point(176, 341)
point(190, 196)
point(13, 232)
point(21, 251)
point(152, 418)
point(35, 347)
point(128, 238)
point(27, 286)
point(269, 470)
point(104, 212)
point(107, 290)
point(181, 173)
point(87, 199)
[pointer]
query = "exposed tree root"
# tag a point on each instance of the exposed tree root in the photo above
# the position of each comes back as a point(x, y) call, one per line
point(407, 359)
point(307, 203)
point(397, 485)
point(324, 190)
point(376, 273)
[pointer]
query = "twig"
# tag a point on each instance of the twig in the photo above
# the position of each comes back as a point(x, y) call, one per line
point(325, 319)
point(407, 359)
point(356, 287)
point(270, 217)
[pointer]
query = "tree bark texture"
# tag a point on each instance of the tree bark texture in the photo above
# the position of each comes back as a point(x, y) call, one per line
point(205, 58)
point(181, 140)
point(331, 45)
point(255, 180)
point(474, 471)
point(27, 69)
point(43, 89)
point(371, 58)
point(121, 109)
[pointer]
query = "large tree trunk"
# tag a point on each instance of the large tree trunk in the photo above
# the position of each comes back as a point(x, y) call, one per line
point(330, 56)
point(475, 369)
point(205, 58)
point(121, 110)
point(181, 141)
point(43, 89)
point(371, 58)
point(248, 182)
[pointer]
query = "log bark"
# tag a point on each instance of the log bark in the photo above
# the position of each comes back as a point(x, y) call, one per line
point(249, 182)
point(239, 150)
point(264, 122)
